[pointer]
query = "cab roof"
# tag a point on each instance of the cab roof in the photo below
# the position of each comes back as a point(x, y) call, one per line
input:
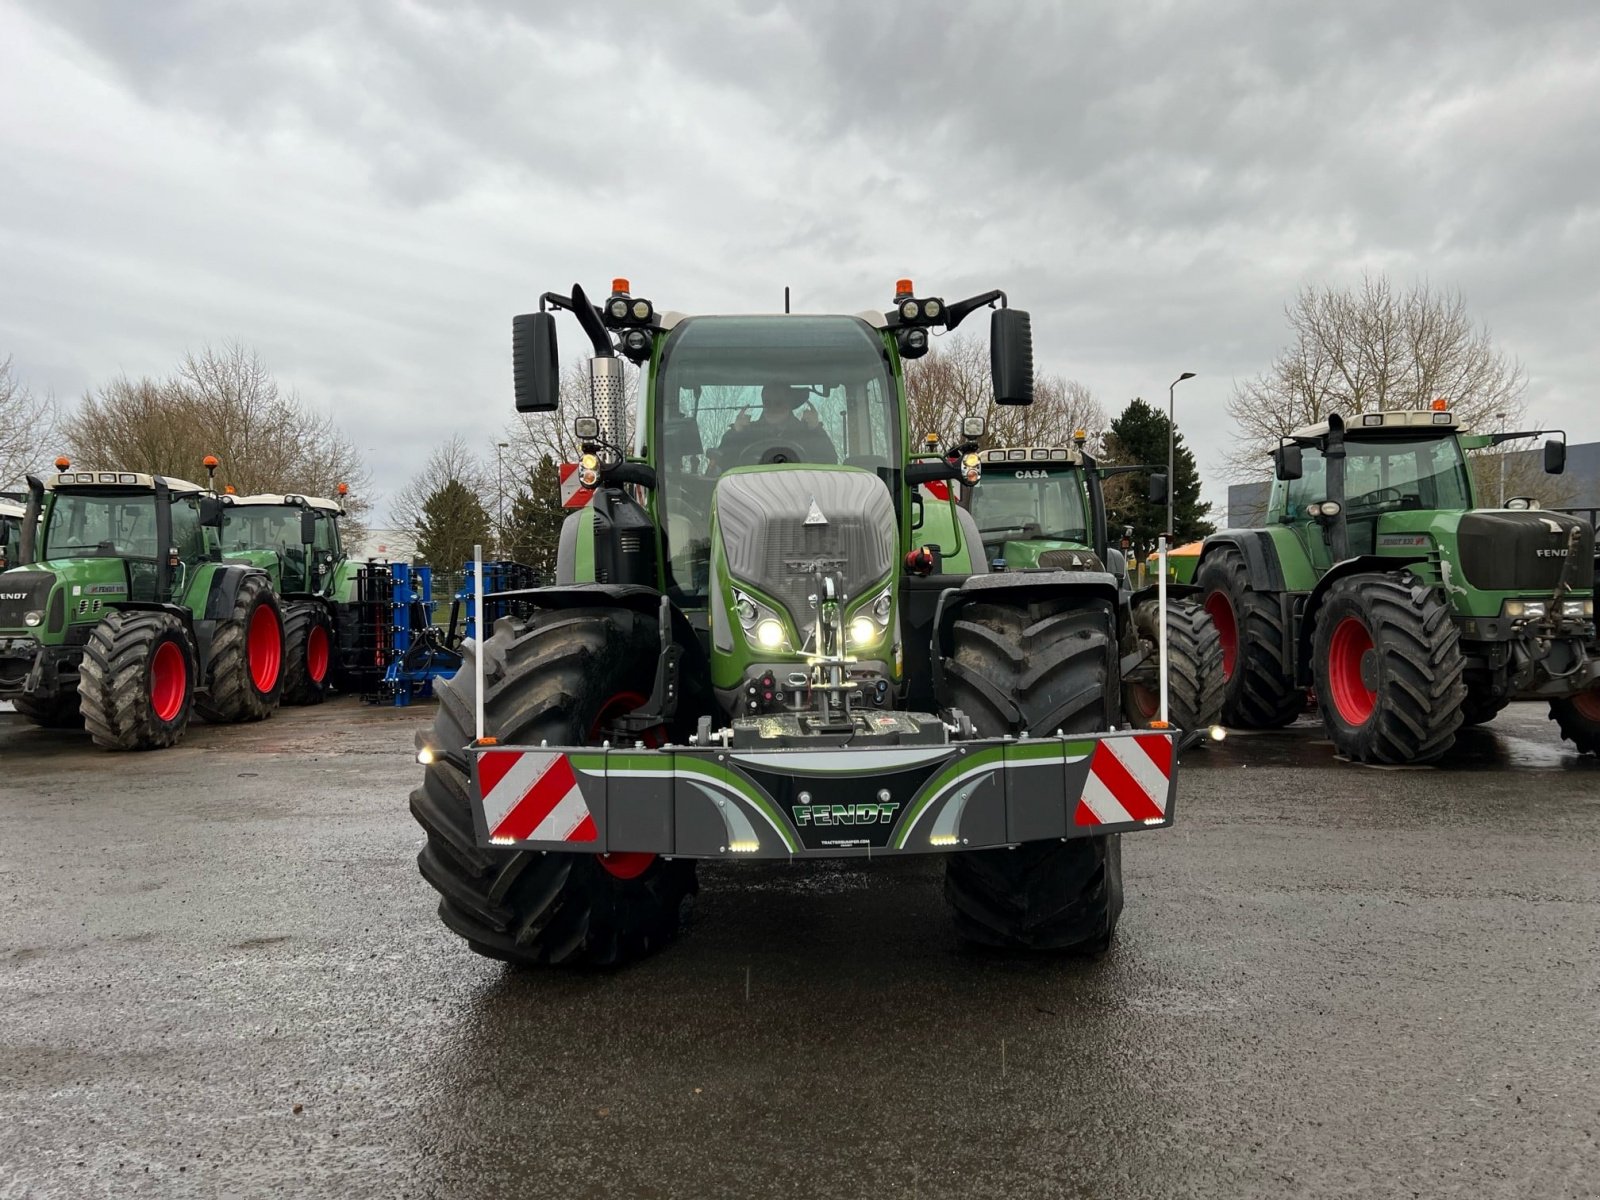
point(9, 508)
point(292, 499)
point(1042, 455)
point(1394, 420)
point(118, 479)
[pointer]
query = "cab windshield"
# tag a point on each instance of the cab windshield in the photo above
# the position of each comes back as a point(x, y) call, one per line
point(1019, 502)
point(1404, 473)
point(747, 391)
point(260, 527)
point(102, 523)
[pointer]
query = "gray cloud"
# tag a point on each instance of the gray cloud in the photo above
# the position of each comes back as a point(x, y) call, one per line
point(366, 192)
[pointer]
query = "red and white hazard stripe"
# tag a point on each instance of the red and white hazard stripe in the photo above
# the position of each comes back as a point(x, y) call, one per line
point(1128, 781)
point(573, 493)
point(533, 797)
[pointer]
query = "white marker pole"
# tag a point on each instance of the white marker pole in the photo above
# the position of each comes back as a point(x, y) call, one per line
point(477, 637)
point(1161, 615)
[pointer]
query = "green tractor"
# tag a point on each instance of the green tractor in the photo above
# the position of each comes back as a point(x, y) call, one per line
point(122, 617)
point(295, 539)
point(764, 644)
point(1044, 506)
point(1411, 611)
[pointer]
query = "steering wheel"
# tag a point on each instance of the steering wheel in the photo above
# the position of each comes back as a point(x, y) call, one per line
point(757, 455)
point(1378, 496)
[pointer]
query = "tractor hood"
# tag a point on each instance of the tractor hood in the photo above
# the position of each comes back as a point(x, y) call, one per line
point(1512, 550)
point(778, 527)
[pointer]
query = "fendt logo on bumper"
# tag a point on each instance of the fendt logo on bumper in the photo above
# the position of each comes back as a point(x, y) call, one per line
point(13, 595)
point(845, 814)
point(1550, 553)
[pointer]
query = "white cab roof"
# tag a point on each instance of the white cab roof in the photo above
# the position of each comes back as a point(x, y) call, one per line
point(289, 498)
point(123, 479)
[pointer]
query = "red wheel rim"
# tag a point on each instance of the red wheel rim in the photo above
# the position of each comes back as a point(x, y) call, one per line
point(1145, 701)
point(264, 645)
point(1220, 610)
point(1587, 705)
point(169, 681)
point(1352, 698)
point(317, 654)
point(625, 864)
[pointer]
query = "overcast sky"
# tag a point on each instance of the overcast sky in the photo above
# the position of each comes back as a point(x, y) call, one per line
point(366, 192)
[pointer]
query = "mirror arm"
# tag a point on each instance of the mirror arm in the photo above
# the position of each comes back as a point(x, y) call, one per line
point(958, 312)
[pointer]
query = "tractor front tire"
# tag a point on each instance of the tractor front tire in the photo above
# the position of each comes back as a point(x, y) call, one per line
point(1195, 680)
point(307, 653)
point(1037, 668)
point(1258, 674)
point(556, 677)
point(245, 676)
point(63, 710)
point(1388, 668)
point(1578, 718)
point(136, 681)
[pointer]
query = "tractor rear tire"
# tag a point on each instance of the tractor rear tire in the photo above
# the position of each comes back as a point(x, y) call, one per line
point(1195, 682)
point(307, 653)
point(1259, 687)
point(553, 677)
point(245, 675)
point(1388, 668)
point(63, 710)
point(1037, 668)
point(136, 682)
point(1578, 718)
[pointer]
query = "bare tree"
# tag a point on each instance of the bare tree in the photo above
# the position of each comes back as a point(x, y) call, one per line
point(1371, 348)
point(222, 402)
point(953, 381)
point(451, 462)
point(27, 427)
point(534, 436)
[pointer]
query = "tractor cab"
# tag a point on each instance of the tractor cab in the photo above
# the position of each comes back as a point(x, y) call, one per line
point(294, 538)
point(11, 515)
point(1033, 509)
point(121, 534)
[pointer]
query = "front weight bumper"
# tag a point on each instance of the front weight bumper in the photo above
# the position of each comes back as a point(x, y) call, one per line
point(841, 802)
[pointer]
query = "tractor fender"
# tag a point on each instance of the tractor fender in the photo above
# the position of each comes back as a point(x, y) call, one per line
point(1362, 564)
point(1017, 587)
point(1260, 556)
point(224, 587)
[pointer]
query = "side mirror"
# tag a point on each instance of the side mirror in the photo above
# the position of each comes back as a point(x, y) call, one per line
point(211, 511)
point(586, 429)
point(308, 526)
point(1158, 488)
point(973, 428)
point(1555, 458)
point(535, 367)
point(1286, 458)
point(1011, 356)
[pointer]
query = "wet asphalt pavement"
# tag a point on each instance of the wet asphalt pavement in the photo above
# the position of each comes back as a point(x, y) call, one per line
point(221, 975)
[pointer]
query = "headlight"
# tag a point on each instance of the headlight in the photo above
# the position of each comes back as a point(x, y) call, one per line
point(1577, 608)
point(33, 619)
point(769, 634)
point(863, 631)
point(1523, 608)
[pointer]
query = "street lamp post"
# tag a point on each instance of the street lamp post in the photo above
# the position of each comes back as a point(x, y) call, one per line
point(1172, 443)
point(500, 496)
point(1499, 418)
point(1168, 534)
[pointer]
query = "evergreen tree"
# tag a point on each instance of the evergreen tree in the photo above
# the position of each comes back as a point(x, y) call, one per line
point(533, 526)
point(453, 521)
point(1139, 435)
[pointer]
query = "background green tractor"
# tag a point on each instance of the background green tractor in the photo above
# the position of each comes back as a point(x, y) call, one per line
point(295, 539)
point(1044, 506)
point(122, 617)
point(1411, 611)
point(764, 643)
